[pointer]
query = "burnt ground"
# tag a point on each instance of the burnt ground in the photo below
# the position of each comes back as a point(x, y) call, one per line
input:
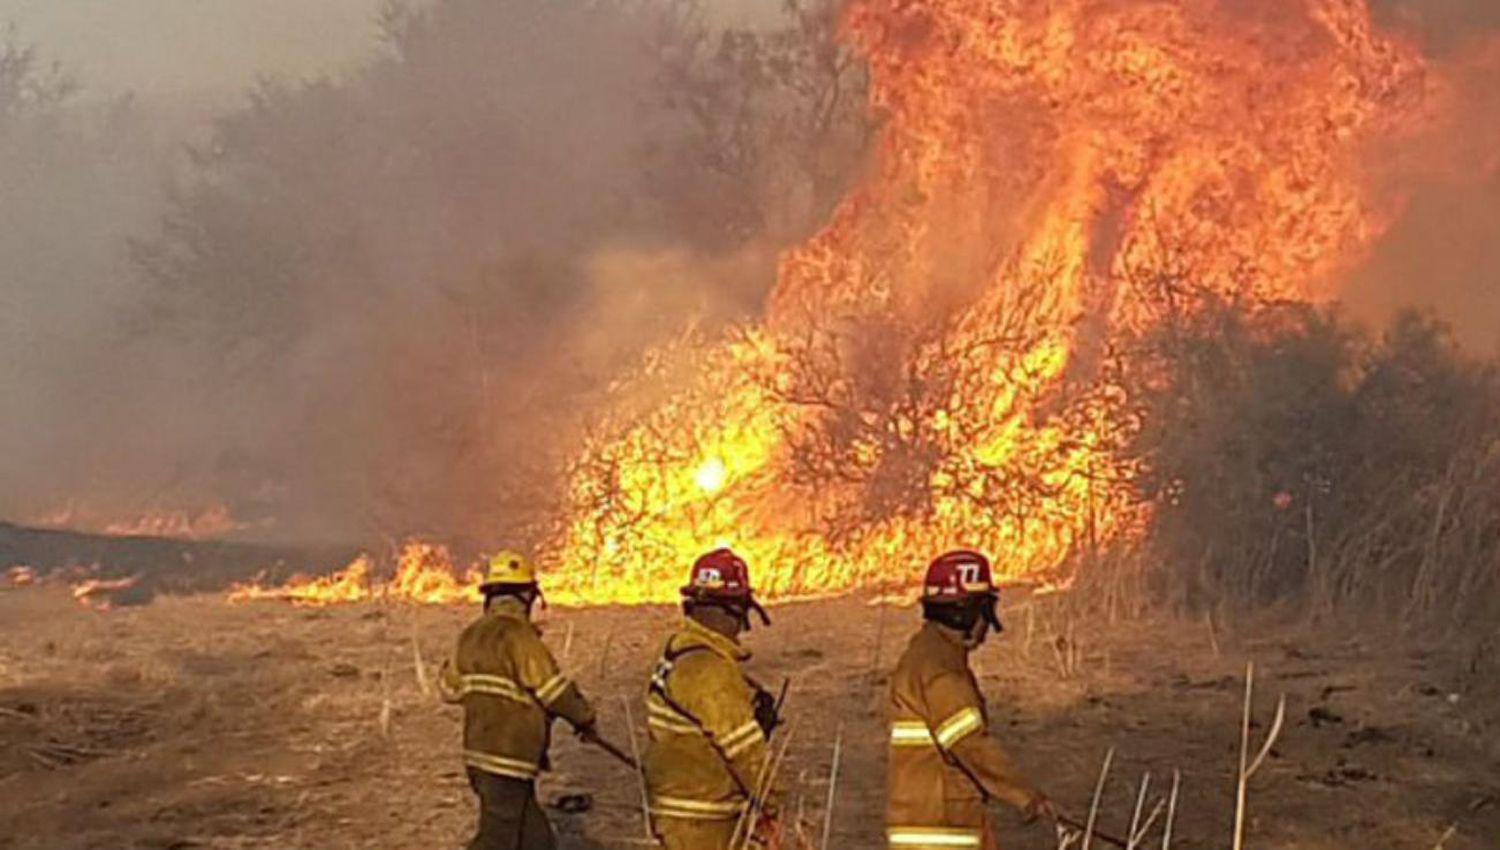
point(192, 723)
point(162, 564)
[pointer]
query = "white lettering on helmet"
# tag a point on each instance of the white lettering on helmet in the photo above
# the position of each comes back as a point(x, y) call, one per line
point(710, 575)
point(969, 572)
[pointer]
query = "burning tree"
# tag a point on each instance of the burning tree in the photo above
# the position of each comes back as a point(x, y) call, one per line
point(942, 363)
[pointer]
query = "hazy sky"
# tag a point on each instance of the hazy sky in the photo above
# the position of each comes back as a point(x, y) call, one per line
point(194, 46)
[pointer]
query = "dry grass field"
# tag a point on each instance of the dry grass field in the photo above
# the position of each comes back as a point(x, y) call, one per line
point(192, 723)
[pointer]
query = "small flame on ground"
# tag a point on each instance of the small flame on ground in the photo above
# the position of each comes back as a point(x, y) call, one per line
point(94, 593)
point(210, 522)
point(424, 574)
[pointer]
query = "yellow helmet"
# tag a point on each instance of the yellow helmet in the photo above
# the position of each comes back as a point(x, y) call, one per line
point(508, 567)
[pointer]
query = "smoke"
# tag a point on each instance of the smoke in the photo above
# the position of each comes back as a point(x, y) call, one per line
point(1443, 26)
point(1442, 253)
point(386, 304)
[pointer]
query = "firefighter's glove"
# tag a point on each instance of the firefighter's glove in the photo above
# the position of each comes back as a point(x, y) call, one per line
point(765, 712)
point(768, 833)
point(1038, 807)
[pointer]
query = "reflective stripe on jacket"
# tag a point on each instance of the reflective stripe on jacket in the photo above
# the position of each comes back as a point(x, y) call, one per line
point(706, 748)
point(511, 688)
point(938, 721)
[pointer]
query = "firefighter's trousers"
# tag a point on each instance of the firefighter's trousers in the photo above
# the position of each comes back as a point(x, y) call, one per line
point(509, 817)
point(684, 834)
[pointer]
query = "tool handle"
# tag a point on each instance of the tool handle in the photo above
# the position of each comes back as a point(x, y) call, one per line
point(619, 754)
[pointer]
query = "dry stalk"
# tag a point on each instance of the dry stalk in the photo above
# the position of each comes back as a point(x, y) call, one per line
point(567, 646)
point(875, 652)
point(833, 786)
point(418, 664)
point(1066, 652)
point(1088, 832)
point(1442, 843)
point(1166, 836)
point(609, 639)
point(385, 704)
point(1249, 767)
point(1140, 803)
point(1137, 838)
point(640, 769)
point(1030, 627)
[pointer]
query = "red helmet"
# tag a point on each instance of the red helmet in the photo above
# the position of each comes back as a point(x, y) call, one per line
point(723, 577)
point(958, 575)
point(721, 574)
point(959, 590)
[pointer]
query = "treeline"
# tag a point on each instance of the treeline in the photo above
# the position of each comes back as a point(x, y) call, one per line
point(1292, 456)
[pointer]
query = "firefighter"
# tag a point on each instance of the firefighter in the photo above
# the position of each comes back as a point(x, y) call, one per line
point(511, 689)
point(944, 766)
point(709, 723)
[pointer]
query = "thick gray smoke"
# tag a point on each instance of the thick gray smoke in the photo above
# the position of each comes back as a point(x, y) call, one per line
point(384, 304)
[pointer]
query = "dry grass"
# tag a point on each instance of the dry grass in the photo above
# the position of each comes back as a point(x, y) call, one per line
point(191, 723)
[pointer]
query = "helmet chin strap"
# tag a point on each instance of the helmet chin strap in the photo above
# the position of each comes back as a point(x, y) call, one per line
point(765, 619)
point(525, 594)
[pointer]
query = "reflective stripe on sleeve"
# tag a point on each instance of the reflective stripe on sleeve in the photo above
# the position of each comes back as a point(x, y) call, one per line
point(554, 688)
point(959, 726)
point(501, 765)
point(681, 807)
point(498, 686)
point(741, 739)
point(664, 718)
point(910, 733)
point(909, 837)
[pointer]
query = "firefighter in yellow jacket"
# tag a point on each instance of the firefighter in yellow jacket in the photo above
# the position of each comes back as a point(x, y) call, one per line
point(708, 722)
point(511, 689)
point(944, 767)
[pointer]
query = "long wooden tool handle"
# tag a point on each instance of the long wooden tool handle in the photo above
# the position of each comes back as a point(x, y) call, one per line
point(613, 750)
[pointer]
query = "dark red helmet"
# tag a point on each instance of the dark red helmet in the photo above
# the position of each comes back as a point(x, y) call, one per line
point(957, 575)
point(960, 588)
point(721, 577)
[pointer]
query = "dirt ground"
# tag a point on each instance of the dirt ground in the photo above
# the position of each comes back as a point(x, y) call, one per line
point(192, 723)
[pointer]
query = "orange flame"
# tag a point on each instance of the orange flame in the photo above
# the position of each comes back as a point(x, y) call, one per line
point(935, 366)
point(214, 521)
point(424, 574)
point(94, 593)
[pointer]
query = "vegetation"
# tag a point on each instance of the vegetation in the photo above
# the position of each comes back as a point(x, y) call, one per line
point(431, 268)
point(1290, 455)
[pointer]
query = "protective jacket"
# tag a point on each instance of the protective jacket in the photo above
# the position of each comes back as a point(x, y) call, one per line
point(706, 748)
point(511, 688)
point(943, 764)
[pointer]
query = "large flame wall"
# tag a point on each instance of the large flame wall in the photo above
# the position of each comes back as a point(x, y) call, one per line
point(933, 369)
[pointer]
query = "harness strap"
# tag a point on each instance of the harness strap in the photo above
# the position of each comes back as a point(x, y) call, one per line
point(660, 680)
